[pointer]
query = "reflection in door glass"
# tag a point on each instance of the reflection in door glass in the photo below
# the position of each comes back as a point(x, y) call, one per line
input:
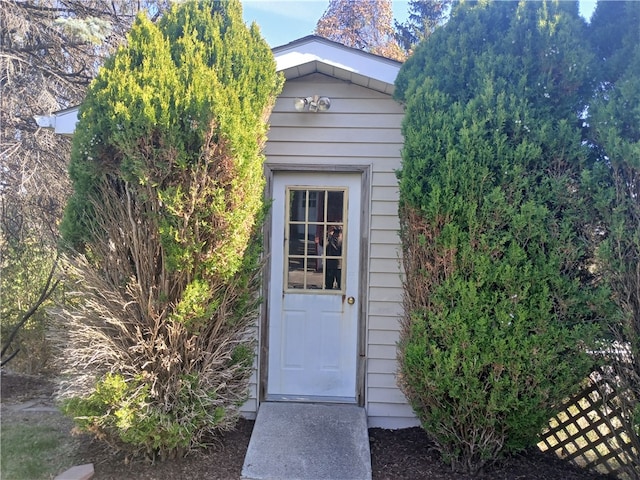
point(315, 237)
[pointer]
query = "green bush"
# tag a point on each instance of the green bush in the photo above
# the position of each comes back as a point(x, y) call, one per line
point(500, 304)
point(166, 213)
point(25, 265)
point(615, 128)
point(125, 411)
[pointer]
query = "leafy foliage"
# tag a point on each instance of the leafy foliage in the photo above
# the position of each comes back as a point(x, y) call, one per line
point(23, 319)
point(366, 25)
point(167, 206)
point(500, 304)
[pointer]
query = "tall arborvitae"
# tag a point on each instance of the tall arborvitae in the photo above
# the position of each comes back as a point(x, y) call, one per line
point(499, 301)
point(167, 203)
point(615, 123)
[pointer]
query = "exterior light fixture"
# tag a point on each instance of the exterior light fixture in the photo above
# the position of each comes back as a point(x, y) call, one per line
point(324, 104)
point(301, 103)
point(315, 103)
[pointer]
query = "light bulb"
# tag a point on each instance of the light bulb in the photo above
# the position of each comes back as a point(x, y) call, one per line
point(324, 103)
point(299, 104)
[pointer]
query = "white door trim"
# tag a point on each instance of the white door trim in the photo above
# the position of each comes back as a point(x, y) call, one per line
point(263, 350)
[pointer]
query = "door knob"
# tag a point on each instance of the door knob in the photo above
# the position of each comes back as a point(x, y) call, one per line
point(351, 300)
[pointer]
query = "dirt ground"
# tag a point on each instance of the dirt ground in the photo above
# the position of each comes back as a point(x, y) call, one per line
point(395, 454)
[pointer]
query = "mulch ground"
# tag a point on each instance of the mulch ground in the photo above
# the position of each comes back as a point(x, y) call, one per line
point(395, 454)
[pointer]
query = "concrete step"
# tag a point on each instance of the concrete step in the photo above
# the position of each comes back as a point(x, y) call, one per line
point(306, 441)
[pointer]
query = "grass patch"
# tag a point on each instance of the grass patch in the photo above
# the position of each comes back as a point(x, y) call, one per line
point(30, 452)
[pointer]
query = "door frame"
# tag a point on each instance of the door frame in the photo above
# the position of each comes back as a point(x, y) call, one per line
point(272, 169)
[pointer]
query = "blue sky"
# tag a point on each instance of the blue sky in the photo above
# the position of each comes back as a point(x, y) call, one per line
point(282, 21)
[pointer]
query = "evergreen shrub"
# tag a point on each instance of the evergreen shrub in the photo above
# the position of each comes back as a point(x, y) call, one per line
point(165, 220)
point(615, 135)
point(500, 305)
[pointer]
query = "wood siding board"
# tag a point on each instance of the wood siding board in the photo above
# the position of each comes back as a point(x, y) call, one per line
point(392, 423)
point(335, 135)
point(390, 280)
point(387, 193)
point(384, 265)
point(384, 207)
point(291, 119)
point(385, 222)
point(391, 293)
point(326, 162)
point(382, 365)
point(387, 237)
point(375, 409)
point(382, 352)
point(334, 149)
point(379, 380)
point(391, 395)
point(384, 337)
point(379, 321)
point(384, 177)
point(385, 251)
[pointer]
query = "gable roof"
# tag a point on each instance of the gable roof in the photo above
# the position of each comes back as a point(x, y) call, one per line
point(307, 55)
point(313, 54)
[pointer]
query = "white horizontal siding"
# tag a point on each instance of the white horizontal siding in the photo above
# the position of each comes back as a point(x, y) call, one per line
point(327, 120)
point(384, 207)
point(382, 366)
point(315, 159)
point(380, 380)
point(385, 177)
point(383, 337)
point(389, 237)
point(386, 192)
point(384, 316)
point(352, 151)
point(382, 351)
point(337, 135)
point(362, 127)
point(384, 265)
point(385, 222)
point(388, 280)
point(384, 409)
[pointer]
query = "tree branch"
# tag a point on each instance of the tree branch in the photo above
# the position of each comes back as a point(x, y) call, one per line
point(44, 295)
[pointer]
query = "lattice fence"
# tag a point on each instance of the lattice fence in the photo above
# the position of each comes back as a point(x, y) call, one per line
point(591, 431)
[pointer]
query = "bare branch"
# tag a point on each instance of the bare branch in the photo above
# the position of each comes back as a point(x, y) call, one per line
point(45, 294)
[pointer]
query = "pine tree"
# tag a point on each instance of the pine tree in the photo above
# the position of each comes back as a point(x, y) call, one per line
point(499, 300)
point(424, 17)
point(168, 184)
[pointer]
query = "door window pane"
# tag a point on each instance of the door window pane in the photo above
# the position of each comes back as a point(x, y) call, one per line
point(315, 238)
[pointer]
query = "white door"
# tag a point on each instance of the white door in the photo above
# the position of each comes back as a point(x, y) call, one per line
point(313, 291)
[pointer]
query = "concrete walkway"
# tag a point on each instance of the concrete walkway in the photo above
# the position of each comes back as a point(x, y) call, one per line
point(305, 441)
